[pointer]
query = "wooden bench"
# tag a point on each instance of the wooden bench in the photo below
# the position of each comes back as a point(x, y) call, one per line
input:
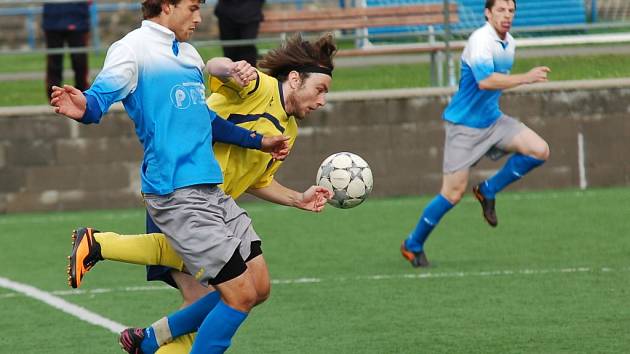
point(357, 18)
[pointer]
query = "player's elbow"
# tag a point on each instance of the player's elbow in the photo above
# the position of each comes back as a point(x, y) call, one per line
point(484, 85)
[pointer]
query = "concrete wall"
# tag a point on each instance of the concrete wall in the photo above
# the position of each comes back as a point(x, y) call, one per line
point(48, 162)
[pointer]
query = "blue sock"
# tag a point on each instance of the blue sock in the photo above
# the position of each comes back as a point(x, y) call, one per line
point(149, 343)
point(188, 319)
point(430, 217)
point(216, 331)
point(516, 167)
point(184, 321)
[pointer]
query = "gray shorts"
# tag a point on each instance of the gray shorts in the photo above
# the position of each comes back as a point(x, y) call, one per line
point(204, 226)
point(465, 146)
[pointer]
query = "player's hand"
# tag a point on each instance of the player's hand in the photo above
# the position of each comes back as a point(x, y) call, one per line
point(538, 74)
point(243, 73)
point(277, 146)
point(68, 101)
point(314, 199)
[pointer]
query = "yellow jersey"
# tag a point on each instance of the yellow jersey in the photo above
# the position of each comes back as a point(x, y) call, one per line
point(260, 107)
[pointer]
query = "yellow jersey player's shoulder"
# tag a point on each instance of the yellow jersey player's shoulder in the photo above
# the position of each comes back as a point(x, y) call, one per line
point(230, 90)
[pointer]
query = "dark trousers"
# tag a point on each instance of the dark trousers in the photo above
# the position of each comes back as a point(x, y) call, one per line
point(230, 30)
point(54, 62)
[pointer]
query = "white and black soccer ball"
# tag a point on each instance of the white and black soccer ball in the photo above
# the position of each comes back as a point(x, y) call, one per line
point(348, 176)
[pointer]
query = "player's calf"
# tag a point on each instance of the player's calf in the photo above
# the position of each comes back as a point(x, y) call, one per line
point(85, 253)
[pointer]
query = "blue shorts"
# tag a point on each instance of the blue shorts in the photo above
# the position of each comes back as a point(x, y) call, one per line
point(164, 273)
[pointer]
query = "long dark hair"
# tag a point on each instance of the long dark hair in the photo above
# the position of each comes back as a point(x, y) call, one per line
point(297, 52)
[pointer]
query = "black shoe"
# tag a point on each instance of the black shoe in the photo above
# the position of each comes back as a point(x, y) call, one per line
point(85, 253)
point(487, 206)
point(418, 259)
point(130, 340)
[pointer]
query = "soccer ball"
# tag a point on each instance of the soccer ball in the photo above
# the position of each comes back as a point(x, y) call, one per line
point(348, 176)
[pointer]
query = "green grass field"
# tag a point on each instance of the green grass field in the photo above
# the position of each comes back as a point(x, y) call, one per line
point(32, 92)
point(552, 278)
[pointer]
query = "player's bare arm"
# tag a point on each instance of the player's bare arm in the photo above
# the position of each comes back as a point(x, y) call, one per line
point(225, 69)
point(313, 199)
point(499, 81)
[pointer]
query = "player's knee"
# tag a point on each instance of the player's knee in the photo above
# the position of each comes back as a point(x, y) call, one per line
point(453, 195)
point(236, 284)
point(544, 152)
point(245, 300)
point(540, 151)
point(248, 300)
point(456, 198)
point(263, 294)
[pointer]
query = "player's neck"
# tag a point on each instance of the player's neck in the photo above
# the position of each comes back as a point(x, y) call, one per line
point(287, 91)
point(163, 21)
point(502, 35)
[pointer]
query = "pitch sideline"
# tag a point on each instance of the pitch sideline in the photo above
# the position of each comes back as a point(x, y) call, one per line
point(56, 302)
point(307, 280)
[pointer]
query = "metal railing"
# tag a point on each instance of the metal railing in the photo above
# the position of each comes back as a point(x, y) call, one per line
point(595, 10)
point(540, 36)
point(31, 9)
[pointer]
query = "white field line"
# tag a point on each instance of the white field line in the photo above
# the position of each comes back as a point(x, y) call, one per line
point(139, 214)
point(313, 280)
point(58, 303)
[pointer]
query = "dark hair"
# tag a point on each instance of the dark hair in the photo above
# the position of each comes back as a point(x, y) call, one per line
point(153, 8)
point(296, 52)
point(490, 4)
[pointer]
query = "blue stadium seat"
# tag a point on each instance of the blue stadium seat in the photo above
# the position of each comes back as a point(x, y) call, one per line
point(529, 13)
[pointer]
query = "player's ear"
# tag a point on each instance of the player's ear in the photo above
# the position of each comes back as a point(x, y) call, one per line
point(295, 81)
point(166, 7)
point(487, 14)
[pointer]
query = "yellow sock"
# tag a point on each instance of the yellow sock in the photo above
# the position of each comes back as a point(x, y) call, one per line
point(147, 249)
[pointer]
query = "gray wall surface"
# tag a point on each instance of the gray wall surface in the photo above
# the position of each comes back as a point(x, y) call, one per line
point(48, 162)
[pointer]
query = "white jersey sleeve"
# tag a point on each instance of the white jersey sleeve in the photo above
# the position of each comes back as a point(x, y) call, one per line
point(479, 56)
point(118, 78)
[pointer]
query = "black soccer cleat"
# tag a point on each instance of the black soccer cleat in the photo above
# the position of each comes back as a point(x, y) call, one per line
point(85, 253)
point(487, 206)
point(417, 259)
point(130, 340)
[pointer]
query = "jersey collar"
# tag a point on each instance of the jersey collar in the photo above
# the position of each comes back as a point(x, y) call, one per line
point(495, 35)
point(281, 94)
point(161, 31)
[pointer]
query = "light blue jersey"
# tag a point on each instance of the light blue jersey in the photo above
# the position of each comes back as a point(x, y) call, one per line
point(485, 54)
point(160, 83)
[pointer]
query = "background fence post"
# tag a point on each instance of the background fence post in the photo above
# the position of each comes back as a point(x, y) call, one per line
point(447, 45)
point(30, 27)
point(96, 38)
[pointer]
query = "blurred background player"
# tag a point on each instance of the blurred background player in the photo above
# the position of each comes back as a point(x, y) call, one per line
point(66, 22)
point(299, 75)
point(239, 19)
point(476, 127)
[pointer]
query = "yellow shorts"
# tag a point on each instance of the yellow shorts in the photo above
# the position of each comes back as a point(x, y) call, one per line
point(180, 345)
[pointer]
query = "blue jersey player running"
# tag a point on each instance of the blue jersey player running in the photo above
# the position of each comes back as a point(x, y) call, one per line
point(159, 79)
point(475, 126)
